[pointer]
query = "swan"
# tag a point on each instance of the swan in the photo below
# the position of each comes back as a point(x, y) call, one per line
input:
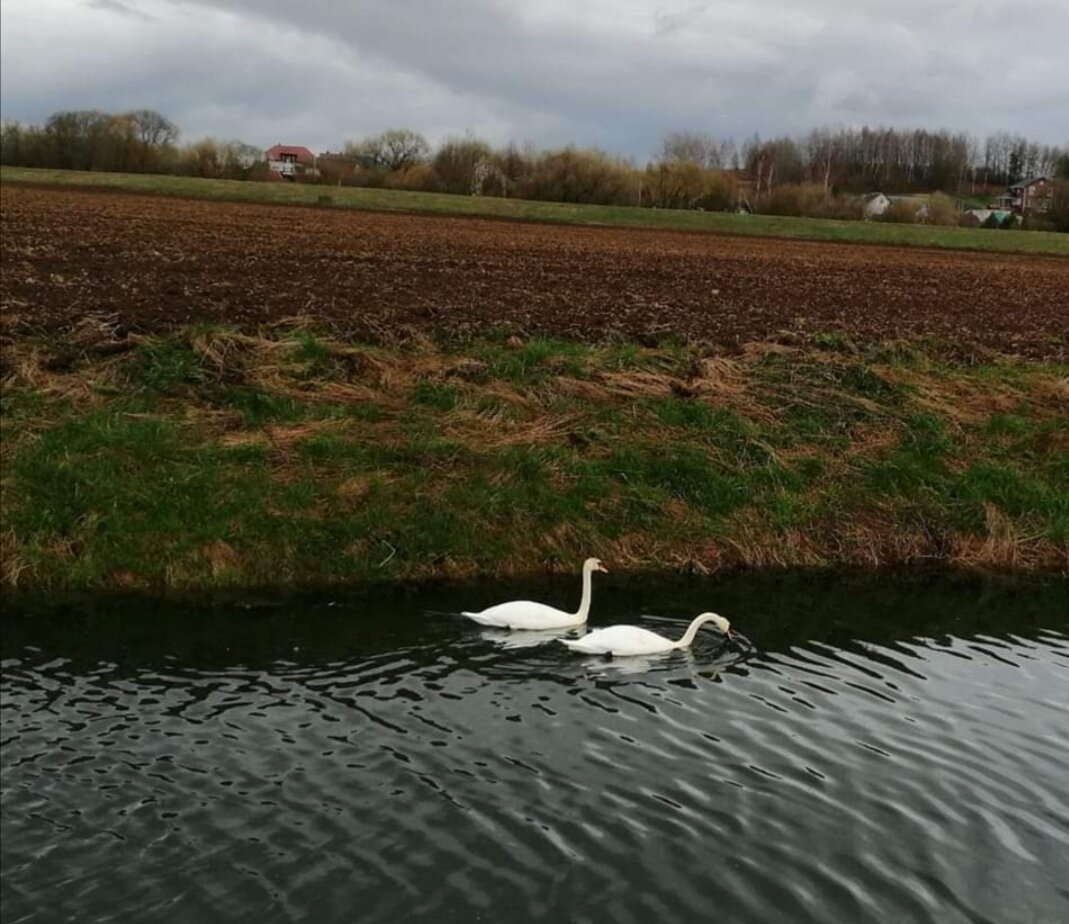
point(524, 614)
point(631, 640)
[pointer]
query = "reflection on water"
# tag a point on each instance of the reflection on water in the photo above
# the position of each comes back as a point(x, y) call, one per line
point(892, 751)
point(511, 641)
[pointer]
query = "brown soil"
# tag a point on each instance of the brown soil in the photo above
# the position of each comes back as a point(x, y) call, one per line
point(148, 263)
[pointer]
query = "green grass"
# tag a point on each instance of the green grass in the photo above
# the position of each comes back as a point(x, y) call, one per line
point(113, 489)
point(258, 407)
point(517, 209)
point(436, 395)
point(537, 360)
point(158, 470)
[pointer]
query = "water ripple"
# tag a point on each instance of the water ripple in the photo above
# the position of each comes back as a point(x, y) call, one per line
point(428, 770)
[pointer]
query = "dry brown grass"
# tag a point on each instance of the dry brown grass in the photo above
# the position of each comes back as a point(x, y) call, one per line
point(12, 563)
point(353, 492)
point(1004, 546)
point(873, 440)
point(49, 372)
point(472, 430)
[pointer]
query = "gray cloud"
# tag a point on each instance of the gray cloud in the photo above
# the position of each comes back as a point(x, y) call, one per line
point(616, 73)
point(114, 6)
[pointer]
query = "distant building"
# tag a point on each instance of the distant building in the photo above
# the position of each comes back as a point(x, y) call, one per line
point(875, 205)
point(289, 161)
point(1028, 196)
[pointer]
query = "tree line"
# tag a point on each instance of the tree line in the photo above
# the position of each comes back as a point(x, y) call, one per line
point(901, 160)
point(822, 173)
point(139, 141)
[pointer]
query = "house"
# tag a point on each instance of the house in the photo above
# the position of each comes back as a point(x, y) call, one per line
point(288, 161)
point(1028, 196)
point(875, 205)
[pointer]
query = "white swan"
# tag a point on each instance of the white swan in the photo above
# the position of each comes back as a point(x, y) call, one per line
point(524, 614)
point(631, 640)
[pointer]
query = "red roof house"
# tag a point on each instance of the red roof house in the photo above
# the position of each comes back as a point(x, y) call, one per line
point(289, 160)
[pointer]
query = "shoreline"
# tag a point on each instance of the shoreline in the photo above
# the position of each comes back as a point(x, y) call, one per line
point(563, 583)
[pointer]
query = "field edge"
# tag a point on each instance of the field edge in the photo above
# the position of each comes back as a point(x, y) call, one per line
point(1035, 243)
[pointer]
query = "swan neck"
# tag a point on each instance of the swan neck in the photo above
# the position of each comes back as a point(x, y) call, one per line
point(692, 630)
point(584, 603)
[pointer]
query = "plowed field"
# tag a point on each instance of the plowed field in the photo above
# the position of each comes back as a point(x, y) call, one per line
point(153, 263)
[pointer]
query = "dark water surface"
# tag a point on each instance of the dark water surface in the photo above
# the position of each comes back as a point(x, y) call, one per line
point(896, 750)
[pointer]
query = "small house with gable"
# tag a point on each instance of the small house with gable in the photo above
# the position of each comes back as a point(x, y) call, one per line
point(1028, 196)
point(875, 205)
point(288, 161)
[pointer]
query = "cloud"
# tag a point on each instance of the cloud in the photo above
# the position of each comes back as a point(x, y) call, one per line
point(114, 6)
point(613, 73)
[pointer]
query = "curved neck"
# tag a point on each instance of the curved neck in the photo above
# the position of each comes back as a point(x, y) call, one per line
point(692, 630)
point(584, 603)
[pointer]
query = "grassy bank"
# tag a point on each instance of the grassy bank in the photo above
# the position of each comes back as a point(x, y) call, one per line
point(212, 458)
point(1038, 242)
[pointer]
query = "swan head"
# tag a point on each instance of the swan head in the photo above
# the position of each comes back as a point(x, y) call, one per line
point(720, 622)
point(594, 564)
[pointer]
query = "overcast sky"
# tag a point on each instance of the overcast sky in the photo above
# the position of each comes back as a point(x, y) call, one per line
point(611, 73)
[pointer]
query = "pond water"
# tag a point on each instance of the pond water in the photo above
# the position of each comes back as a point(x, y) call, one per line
point(895, 749)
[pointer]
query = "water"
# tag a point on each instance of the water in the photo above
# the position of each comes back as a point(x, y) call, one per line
point(895, 751)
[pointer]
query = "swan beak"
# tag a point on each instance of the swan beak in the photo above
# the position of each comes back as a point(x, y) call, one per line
point(603, 569)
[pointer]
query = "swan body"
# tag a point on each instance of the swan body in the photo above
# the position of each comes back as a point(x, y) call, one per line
point(624, 641)
point(526, 614)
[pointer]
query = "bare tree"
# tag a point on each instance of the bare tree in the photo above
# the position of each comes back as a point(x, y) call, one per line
point(690, 147)
point(394, 149)
point(824, 150)
point(152, 127)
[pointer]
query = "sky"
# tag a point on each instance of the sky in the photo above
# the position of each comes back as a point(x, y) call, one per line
point(615, 74)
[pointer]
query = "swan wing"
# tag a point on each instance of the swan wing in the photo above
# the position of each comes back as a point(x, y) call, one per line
point(524, 614)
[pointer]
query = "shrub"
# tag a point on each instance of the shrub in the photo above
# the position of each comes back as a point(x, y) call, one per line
point(574, 175)
point(369, 177)
point(901, 211)
point(337, 170)
point(1058, 213)
point(812, 200)
point(942, 210)
point(461, 164)
point(420, 178)
point(687, 185)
